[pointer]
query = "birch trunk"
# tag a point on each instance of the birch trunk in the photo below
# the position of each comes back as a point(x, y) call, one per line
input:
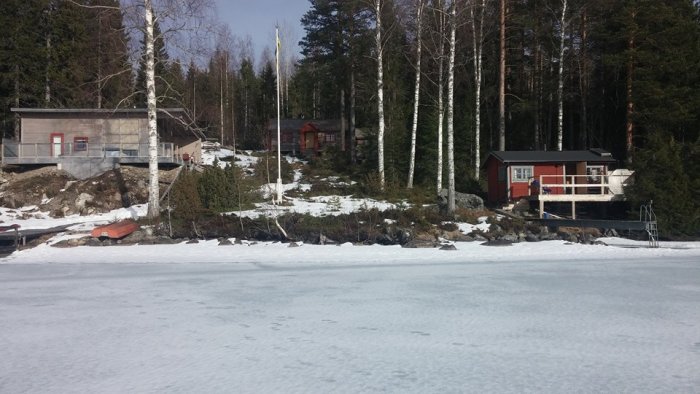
point(629, 115)
point(49, 65)
point(583, 80)
point(416, 94)
point(233, 113)
point(538, 89)
point(502, 79)
point(441, 89)
point(99, 61)
point(380, 94)
point(450, 112)
point(153, 191)
point(47, 78)
point(226, 93)
point(478, 43)
point(560, 85)
point(343, 131)
point(353, 136)
point(221, 103)
point(17, 102)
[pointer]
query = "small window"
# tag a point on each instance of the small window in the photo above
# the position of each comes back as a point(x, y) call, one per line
point(595, 174)
point(287, 138)
point(522, 174)
point(330, 137)
point(80, 144)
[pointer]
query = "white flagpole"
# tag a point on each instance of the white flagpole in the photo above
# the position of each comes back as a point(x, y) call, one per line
point(279, 142)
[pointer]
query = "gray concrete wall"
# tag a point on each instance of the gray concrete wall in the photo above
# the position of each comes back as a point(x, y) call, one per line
point(83, 168)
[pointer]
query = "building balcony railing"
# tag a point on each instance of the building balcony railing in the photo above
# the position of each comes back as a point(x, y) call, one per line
point(45, 153)
point(580, 187)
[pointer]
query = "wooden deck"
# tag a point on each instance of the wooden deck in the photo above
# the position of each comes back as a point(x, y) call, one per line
point(579, 188)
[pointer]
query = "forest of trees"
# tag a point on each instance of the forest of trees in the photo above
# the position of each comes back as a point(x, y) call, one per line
point(623, 75)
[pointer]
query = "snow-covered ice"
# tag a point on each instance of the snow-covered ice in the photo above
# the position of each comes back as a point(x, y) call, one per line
point(540, 317)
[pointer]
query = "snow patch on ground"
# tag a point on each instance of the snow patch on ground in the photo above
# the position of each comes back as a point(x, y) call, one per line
point(318, 206)
point(31, 218)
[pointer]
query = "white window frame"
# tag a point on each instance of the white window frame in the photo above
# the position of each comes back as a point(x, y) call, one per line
point(595, 178)
point(521, 173)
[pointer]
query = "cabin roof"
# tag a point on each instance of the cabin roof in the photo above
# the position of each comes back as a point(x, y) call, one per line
point(324, 125)
point(93, 110)
point(539, 156)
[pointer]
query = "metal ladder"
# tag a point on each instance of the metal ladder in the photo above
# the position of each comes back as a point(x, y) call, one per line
point(647, 215)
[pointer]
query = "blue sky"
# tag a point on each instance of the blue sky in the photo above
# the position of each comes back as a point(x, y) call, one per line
point(258, 18)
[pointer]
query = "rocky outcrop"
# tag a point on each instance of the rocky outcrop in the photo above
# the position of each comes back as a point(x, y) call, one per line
point(462, 200)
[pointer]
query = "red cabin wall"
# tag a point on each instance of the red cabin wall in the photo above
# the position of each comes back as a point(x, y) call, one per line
point(497, 190)
point(552, 169)
point(522, 189)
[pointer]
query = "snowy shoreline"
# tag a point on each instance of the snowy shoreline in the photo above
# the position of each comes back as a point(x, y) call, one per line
point(346, 254)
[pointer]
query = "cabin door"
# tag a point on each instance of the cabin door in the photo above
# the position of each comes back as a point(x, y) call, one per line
point(56, 144)
point(309, 141)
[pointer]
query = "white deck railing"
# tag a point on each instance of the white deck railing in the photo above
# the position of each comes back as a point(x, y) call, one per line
point(18, 153)
point(582, 184)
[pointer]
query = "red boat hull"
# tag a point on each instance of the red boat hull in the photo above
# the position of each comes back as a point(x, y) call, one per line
point(115, 230)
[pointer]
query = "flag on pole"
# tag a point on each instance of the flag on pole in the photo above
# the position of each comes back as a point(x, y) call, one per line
point(279, 43)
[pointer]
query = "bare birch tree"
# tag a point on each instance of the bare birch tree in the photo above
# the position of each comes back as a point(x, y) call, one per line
point(450, 111)
point(179, 17)
point(502, 77)
point(560, 81)
point(416, 94)
point(629, 85)
point(380, 92)
point(478, 45)
point(153, 188)
point(438, 7)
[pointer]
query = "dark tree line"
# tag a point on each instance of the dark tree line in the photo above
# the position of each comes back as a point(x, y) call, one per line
point(55, 54)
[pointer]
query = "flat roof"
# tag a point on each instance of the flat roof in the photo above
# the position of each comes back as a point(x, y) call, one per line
point(542, 156)
point(91, 110)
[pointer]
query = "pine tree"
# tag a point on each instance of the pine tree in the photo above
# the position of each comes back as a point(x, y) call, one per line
point(21, 58)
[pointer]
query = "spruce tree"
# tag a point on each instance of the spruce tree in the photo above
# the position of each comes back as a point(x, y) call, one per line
point(661, 177)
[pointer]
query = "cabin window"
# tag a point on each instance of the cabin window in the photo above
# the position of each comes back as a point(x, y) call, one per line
point(594, 174)
point(522, 173)
point(287, 138)
point(80, 144)
point(330, 137)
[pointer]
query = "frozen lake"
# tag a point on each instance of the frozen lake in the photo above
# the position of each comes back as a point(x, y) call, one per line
point(624, 324)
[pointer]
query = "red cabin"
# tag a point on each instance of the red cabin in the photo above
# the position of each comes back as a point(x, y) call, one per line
point(513, 175)
point(307, 137)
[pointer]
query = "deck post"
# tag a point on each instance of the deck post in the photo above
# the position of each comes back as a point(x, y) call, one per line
point(541, 207)
point(573, 209)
